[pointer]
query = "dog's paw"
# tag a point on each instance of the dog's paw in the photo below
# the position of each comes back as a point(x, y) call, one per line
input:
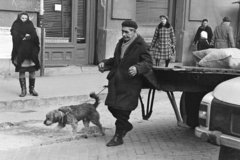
point(77, 137)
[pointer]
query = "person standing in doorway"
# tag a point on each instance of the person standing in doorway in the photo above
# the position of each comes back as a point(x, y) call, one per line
point(204, 27)
point(163, 42)
point(223, 35)
point(25, 51)
point(130, 61)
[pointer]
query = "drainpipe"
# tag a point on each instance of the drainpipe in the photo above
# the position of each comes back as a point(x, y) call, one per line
point(237, 39)
point(41, 19)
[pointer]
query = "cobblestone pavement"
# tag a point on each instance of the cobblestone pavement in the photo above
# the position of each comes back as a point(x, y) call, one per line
point(158, 138)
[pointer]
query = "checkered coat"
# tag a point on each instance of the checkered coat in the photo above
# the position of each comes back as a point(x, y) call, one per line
point(163, 42)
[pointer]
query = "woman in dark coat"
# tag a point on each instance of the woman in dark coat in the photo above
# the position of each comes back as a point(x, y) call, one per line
point(204, 27)
point(25, 51)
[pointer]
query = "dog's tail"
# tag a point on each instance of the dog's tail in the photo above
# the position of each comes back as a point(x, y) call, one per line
point(96, 97)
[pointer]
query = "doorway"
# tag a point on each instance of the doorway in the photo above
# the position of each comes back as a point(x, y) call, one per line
point(68, 35)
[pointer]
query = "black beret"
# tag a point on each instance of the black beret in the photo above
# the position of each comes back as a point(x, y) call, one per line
point(130, 23)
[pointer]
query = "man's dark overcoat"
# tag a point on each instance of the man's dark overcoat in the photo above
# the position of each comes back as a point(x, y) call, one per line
point(123, 90)
point(24, 49)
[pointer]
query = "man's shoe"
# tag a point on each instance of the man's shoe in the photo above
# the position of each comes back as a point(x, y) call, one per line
point(115, 141)
point(129, 128)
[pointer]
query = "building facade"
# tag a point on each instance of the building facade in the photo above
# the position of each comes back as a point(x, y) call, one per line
point(80, 32)
point(184, 15)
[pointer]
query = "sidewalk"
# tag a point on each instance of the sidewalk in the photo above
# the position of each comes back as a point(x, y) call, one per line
point(56, 88)
point(50, 88)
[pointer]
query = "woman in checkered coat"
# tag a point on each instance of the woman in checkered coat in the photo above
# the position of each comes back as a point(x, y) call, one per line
point(163, 42)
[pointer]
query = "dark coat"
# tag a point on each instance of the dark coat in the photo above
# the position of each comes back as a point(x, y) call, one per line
point(198, 34)
point(24, 49)
point(123, 90)
point(203, 44)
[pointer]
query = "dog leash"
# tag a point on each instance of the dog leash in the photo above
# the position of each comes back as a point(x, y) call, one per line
point(104, 87)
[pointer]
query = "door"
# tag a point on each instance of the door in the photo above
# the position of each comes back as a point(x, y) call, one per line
point(79, 32)
point(70, 31)
point(84, 31)
point(59, 45)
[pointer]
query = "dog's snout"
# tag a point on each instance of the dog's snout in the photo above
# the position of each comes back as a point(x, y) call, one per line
point(47, 122)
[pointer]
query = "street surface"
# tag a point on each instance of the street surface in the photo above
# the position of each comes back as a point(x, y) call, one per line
point(158, 138)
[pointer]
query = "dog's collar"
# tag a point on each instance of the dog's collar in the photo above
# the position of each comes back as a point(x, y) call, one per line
point(62, 114)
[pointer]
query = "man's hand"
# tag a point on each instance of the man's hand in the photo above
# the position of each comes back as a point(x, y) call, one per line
point(101, 67)
point(132, 71)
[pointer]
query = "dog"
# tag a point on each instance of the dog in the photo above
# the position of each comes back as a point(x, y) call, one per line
point(73, 114)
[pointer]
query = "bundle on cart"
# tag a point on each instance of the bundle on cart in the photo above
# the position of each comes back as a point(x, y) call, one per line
point(228, 58)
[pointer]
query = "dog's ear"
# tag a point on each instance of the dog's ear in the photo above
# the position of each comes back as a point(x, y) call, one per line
point(54, 116)
point(65, 109)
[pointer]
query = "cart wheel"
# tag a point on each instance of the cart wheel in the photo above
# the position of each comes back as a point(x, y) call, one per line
point(189, 107)
point(182, 107)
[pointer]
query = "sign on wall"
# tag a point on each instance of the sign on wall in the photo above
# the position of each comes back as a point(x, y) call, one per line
point(20, 5)
point(122, 11)
point(198, 10)
point(7, 18)
point(5, 42)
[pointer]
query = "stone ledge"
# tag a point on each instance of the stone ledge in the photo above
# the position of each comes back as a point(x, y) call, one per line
point(47, 101)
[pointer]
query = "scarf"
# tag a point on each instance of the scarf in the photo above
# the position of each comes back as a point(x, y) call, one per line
point(125, 45)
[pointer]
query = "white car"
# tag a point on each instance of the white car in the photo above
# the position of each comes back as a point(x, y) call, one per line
point(219, 119)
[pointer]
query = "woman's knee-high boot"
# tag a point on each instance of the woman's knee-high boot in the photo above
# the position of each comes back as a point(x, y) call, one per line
point(23, 87)
point(31, 87)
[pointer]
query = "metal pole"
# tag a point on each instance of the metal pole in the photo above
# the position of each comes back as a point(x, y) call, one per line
point(41, 18)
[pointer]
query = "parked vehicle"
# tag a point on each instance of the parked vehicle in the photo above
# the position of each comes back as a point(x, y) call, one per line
point(219, 119)
point(194, 82)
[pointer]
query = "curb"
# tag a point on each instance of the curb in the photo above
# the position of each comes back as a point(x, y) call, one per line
point(46, 101)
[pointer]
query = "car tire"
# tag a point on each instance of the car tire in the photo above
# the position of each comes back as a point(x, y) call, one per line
point(227, 153)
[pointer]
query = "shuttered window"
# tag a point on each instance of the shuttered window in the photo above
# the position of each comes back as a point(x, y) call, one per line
point(148, 11)
point(58, 23)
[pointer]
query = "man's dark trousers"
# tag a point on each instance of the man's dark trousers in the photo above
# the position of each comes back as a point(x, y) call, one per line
point(122, 117)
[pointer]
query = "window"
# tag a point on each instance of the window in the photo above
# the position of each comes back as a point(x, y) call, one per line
point(57, 22)
point(148, 11)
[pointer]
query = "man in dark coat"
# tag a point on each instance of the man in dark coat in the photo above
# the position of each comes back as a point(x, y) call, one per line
point(130, 61)
point(223, 35)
